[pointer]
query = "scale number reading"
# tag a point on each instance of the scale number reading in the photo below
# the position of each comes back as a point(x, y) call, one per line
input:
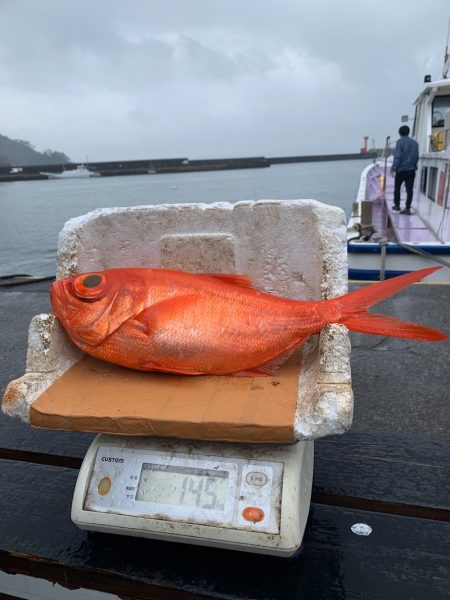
point(183, 486)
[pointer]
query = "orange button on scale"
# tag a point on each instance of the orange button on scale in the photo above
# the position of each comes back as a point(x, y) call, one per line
point(253, 514)
point(104, 486)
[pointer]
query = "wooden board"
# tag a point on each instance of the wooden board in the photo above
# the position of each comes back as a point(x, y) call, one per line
point(97, 396)
point(408, 474)
point(403, 558)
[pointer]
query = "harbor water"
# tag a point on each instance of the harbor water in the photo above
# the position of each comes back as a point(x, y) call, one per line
point(32, 213)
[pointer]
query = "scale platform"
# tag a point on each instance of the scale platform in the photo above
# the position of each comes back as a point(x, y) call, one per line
point(253, 498)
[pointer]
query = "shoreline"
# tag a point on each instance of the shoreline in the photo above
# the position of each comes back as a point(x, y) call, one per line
point(175, 165)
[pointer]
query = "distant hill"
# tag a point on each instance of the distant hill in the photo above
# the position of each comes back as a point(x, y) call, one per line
point(21, 152)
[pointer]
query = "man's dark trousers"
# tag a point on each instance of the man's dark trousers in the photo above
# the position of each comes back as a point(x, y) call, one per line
point(407, 177)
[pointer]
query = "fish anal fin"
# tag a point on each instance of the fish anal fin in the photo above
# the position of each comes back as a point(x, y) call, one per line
point(174, 371)
point(232, 279)
point(248, 373)
point(271, 366)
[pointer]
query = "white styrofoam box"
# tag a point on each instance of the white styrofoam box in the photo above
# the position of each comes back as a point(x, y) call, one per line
point(292, 248)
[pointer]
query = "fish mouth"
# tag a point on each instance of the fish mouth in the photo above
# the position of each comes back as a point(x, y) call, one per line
point(59, 296)
point(55, 295)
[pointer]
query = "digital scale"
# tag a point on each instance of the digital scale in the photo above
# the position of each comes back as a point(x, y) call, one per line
point(253, 498)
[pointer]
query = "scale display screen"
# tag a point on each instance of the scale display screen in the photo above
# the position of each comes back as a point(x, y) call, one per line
point(183, 486)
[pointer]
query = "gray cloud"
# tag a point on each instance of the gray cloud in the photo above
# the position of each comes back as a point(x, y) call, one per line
point(203, 78)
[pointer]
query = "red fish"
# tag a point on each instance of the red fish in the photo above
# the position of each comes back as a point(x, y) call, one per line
point(176, 322)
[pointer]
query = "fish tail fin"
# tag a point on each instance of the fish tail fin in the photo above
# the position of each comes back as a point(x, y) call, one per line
point(356, 317)
point(392, 327)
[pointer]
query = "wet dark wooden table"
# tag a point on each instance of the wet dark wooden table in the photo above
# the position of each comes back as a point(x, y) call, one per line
point(390, 471)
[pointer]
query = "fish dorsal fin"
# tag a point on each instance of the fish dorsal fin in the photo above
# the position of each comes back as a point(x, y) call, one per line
point(232, 279)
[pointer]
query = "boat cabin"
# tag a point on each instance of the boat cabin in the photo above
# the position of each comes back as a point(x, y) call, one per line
point(432, 132)
point(430, 125)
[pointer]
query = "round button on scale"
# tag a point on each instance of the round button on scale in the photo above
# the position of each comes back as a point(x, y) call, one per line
point(253, 514)
point(256, 478)
point(104, 486)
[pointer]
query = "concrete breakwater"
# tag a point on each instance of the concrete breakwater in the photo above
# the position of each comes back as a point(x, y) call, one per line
point(171, 165)
point(278, 160)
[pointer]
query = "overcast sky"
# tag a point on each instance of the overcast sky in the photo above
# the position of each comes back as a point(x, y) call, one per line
point(116, 79)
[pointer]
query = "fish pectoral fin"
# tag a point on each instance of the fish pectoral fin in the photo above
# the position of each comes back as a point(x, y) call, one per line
point(141, 326)
point(160, 313)
point(232, 279)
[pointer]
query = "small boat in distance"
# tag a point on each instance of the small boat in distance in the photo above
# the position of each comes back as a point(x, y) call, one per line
point(383, 243)
point(80, 172)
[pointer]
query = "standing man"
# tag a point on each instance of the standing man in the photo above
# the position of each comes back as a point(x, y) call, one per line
point(404, 168)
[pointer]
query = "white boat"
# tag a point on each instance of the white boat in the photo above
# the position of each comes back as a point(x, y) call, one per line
point(383, 243)
point(80, 172)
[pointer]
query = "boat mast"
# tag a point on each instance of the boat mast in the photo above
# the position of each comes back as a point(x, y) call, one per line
point(446, 66)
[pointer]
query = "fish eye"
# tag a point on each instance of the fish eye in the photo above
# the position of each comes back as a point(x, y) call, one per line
point(90, 286)
point(92, 281)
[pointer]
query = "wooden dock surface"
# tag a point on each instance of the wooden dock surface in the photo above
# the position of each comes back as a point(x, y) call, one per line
point(390, 471)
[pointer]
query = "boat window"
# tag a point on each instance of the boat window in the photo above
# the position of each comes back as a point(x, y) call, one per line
point(432, 183)
point(423, 180)
point(440, 105)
